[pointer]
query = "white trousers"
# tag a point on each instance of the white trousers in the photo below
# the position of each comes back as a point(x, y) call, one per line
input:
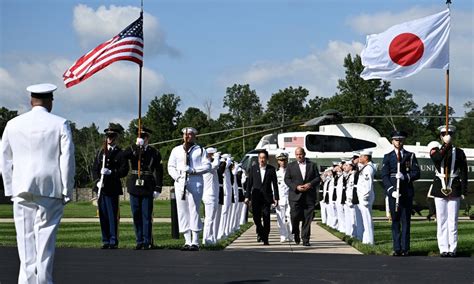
point(188, 209)
point(36, 222)
point(359, 224)
point(349, 220)
point(210, 211)
point(243, 213)
point(367, 223)
point(324, 213)
point(447, 211)
point(225, 217)
point(217, 221)
point(341, 225)
point(332, 215)
point(284, 221)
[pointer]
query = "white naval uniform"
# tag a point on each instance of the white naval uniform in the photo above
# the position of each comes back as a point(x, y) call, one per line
point(331, 206)
point(447, 211)
point(341, 226)
point(349, 211)
point(243, 211)
point(366, 194)
point(283, 208)
point(223, 231)
point(322, 204)
point(38, 167)
point(210, 199)
point(188, 209)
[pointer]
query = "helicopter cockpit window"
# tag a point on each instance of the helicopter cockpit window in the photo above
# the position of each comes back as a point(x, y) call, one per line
point(328, 143)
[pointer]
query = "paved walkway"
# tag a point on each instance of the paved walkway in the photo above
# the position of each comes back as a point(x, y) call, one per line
point(321, 242)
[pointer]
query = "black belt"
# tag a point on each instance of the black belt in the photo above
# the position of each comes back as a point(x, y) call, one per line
point(144, 173)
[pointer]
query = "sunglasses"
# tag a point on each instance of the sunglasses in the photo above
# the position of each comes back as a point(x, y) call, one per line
point(444, 133)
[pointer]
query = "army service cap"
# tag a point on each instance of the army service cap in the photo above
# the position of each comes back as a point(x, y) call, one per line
point(396, 134)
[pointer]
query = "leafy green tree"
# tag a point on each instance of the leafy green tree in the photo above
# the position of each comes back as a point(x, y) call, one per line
point(287, 105)
point(5, 116)
point(162, 116)
point(465, 128)
point(87, 141)
point(243, 103)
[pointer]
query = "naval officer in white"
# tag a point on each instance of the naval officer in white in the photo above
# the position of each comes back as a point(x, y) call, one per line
point(37, 162)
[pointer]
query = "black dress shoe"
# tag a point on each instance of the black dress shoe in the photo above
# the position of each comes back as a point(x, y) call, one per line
point(194, 248)
point(306, 243)
point(113, 247)
point(138, 246)
point(397, 253)
point(451, 254)
point(105, 246)
point(147, 247)
point(297, 239)
point(265, 243)
point(259, 239)
point(185, 247)
point(444, 254)
point(405, 253)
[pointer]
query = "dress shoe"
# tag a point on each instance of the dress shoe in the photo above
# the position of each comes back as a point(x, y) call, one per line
point(147, 247)
point(194, 248)
point(306, 243)
point(397, 253)
point(297, 239)
point(259, 239)
point(185, 247)
point(113, 246)
point(444, 254)
point(105, 246)
point(138, 246)
point(405, 253)
point(266, 243)
point(451, 254)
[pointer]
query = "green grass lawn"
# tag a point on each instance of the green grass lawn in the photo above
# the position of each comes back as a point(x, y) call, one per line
point(88, 235)
point(423, 239)
point(161, 209)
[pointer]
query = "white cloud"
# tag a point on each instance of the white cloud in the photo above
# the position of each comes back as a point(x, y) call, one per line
point(109, 95)
point(104, 23)
point(320, 70)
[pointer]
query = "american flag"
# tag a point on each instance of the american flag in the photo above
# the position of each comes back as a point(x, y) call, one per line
point(293, 141)
point(127, 45)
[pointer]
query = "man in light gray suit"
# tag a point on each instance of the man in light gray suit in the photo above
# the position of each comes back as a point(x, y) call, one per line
point(302, 176)
point(37, 163)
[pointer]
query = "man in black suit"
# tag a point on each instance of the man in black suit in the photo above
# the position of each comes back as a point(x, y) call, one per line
point(261, 179)
point(302, 176)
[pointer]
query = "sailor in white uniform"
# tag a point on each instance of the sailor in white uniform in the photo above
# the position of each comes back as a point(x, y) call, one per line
point(283, 208)
point(38, 167)
point(366, 194)
point(186, 165)
point(449, 187)
point(210, 197)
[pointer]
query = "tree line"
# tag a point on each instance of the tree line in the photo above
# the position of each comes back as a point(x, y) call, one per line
point(371, 102)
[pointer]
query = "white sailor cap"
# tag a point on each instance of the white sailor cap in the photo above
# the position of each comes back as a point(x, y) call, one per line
point(189, 130)
point(42, 91)
point(451, 129)
point(281, 155)
point(365, 152)
point(224, 157)
point(211, 150)
point(329, 169)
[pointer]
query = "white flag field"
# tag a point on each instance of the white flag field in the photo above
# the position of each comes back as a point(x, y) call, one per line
point(404, 49)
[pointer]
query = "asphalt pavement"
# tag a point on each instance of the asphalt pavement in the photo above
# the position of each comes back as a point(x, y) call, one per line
point(173, 266)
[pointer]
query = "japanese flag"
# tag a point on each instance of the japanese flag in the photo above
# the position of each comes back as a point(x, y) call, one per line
point(405, 49)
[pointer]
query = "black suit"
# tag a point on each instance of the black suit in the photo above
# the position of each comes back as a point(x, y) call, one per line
point(302, 203)
point(262, 195)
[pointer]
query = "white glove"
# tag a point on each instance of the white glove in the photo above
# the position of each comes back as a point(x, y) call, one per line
point(140, 142)
point(216, 156)
point(105, 171)
point(66, 199)
point(187, 169)
point(447, 139)
point(100, 185)
point(156, 194)
point(399, 176)
point(228, 162)
point(395, 194)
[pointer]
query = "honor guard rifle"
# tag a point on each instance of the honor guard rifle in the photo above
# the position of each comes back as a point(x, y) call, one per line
point(186, 162)
point(104, 156)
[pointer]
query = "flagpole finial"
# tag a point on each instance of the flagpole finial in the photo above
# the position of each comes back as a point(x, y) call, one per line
point(448, 2)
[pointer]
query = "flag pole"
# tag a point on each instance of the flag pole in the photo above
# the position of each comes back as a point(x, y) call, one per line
point(140, 106)
point(448, 2)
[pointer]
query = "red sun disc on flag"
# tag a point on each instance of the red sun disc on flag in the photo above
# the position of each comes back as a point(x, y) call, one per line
point(406, 49)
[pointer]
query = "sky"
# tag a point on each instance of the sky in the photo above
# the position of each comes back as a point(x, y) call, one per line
point(195, 49)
